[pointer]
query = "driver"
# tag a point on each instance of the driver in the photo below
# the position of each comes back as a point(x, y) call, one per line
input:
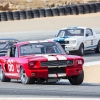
point(50, 50)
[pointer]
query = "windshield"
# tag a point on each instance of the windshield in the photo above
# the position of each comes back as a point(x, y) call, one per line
point(71, 32)
point(41, 48)
point(5, 44)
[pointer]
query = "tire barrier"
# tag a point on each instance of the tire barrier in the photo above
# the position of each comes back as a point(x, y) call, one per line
point(29, 14)
point(35, 13)
point(9, 15)
point(3, 16)
point(50, 12)
point(55, 11)
point(42, 12)
point(22, 14)
point(16, 15)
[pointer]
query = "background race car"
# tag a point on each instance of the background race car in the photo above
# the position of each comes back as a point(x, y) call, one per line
point(40, 61)
point(5, 44)
point(78, 39)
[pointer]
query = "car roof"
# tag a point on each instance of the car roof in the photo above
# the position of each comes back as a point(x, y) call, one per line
point(28, 42)
point(74, 27)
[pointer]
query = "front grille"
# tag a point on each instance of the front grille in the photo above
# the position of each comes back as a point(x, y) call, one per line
point(56, 70)
point(57, 63)
point(63, 42)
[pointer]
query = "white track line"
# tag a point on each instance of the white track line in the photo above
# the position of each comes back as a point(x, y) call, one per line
point(92, 63)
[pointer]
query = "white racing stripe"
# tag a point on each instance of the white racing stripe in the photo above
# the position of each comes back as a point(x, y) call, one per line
point(60, 57)
point(50, 58)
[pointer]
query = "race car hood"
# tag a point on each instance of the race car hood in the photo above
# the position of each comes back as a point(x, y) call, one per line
point(68, 38)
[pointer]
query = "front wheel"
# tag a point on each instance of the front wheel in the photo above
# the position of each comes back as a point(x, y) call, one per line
point(76, 80)
point(3, 78)
point(97, 50)
point(24, 78)
point(80, 52)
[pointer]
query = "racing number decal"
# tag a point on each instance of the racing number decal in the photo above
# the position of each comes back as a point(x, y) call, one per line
point(10, 65)
point(91, 42)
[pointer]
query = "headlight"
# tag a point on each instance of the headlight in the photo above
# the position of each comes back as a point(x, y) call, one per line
point(74, 42)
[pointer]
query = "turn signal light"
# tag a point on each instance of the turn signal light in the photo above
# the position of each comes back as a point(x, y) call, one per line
point(31, 64)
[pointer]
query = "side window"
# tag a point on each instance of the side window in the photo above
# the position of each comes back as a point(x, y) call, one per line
point(13, 52)
point(89, 32)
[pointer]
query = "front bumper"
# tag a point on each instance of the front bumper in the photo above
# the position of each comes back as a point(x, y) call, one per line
point(45, 73)
point(71, 47)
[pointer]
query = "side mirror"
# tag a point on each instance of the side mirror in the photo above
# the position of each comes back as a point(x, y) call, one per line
point(87, 34)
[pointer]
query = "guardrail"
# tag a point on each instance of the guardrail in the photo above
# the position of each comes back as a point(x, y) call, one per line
point(50, 12)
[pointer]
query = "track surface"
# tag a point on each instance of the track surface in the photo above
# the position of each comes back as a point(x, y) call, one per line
point(60, 89)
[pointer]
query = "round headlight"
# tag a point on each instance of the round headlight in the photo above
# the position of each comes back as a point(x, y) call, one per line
point(74, 41)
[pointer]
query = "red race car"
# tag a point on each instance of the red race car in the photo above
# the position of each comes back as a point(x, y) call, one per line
point(40, 61)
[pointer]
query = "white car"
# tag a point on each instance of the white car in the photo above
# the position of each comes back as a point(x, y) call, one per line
point(78, 39)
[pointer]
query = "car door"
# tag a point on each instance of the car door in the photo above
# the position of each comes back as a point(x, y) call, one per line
point(11, 62)
point(90, 39)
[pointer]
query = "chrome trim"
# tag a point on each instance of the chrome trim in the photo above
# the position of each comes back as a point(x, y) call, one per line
point(59, 75)
point(52, 75)
point(62, 75)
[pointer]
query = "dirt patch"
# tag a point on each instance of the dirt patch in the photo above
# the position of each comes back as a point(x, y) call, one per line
point(92, 74)
point(6, 5)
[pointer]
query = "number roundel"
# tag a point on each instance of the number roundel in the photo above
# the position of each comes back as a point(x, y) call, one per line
point(10, 65)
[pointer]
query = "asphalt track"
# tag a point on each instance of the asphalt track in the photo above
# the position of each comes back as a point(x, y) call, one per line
point(61, 89)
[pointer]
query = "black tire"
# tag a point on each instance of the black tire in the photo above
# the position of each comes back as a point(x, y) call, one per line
point(86, 8)
point(22, 14)
point(3, 16)
point(55, 11)
point(92, 8)
point(61, 11)
point(16, 15)
point(42, 12)
point(80, 51)
point(98, 48)
point(24, 78)
point(67, 10)
point(35, 13)
point(80, 9)
point(76, 80)
point(3, 78)
point(29, 14)
point(97, 7)
point(9, 15)
point(74, 10)
point(48, 12)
